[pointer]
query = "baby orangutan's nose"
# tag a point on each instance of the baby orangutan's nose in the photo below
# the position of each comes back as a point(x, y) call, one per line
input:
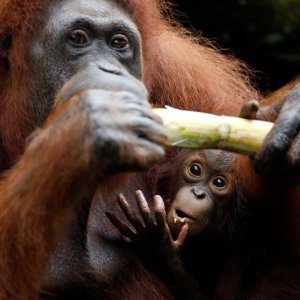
point(199, 194)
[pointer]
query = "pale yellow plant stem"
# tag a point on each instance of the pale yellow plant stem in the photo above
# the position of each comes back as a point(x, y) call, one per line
point(189, 129)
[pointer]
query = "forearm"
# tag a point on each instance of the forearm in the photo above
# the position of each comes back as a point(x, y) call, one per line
point(172, 271)
point(37, 199)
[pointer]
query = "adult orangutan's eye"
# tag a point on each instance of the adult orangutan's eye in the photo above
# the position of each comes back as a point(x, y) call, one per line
point(119, 42)
point(78, 38)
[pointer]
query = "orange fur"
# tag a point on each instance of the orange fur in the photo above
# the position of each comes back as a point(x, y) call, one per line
point(189, 74)
point(179, 70)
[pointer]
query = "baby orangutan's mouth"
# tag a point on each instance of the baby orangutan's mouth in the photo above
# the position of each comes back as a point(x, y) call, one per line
point(182, 216)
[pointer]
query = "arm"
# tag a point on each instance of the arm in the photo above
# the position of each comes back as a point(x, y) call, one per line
point(77, 147)
point(280, 154)
point(153, 242)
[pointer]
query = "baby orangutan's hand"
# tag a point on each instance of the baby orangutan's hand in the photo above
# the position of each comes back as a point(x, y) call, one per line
point(149, 231)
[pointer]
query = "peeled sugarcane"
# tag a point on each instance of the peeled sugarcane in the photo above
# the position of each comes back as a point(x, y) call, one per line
point(187, 129)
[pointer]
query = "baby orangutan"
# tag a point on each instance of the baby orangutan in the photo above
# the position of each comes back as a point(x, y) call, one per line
point(199, 195)
point(202, 185)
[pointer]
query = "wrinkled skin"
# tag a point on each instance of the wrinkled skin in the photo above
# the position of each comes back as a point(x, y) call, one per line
point(104, 257)
point(95, 122)
point(103, 99)
point(101, 65)
point(85, 104)
point(123, 134)
point(279, 158)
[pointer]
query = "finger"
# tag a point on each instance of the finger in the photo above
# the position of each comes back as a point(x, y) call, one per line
point(136, 106)
point(294, 152)
point(144, 208)
point(121, 226)
point(159, 212)
point(279, 140)
point(270, 111)
point(182, 236)
point(150, 130)
point(249, 109)
point(132, 153)
point(140, 154)
point(130, 214)
point(293, 171)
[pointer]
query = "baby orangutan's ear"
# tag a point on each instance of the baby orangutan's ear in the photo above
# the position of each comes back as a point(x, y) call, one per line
point(5, 45)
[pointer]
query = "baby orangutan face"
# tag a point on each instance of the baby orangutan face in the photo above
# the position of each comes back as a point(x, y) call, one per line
point(203, 183)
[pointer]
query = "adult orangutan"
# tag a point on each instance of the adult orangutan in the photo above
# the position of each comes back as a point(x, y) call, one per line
point(75, 119)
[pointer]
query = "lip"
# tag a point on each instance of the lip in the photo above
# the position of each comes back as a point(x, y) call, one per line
point(184, 218)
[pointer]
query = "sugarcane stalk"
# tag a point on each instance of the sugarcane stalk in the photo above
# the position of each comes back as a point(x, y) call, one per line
point(187, 129)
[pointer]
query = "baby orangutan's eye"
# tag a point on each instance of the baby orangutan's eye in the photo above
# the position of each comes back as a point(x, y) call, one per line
point(219, 182)
point(195, 169)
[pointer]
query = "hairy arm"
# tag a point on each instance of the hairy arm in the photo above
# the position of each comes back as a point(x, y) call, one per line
point(280, 155)
point(91, 133)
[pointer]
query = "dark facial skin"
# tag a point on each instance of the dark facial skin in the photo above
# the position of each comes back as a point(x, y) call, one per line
point(92, 50)
point(93, 121)
point(84, 90)
point(93, 109)
point(203, 182)
point(77, 34)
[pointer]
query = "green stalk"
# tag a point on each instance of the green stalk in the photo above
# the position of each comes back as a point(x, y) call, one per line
point(187, 129)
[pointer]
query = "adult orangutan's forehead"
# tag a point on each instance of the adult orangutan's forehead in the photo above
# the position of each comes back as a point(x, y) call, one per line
point(101, 8)
point(95, 9)
point(97, 12)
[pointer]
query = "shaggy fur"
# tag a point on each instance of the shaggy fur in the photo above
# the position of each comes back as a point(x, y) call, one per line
point(190, 73)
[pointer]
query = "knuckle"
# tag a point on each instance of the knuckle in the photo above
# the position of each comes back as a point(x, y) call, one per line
point(280, 142)
point(132, 216)
point(138, 86)
point(277, 141)
point(294, 153)
point(89, 94)
point(127, 82)
point(145, 209)
point(94, 100)
point(125, 95)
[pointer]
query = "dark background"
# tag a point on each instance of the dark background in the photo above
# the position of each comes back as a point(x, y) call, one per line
point(263, 33)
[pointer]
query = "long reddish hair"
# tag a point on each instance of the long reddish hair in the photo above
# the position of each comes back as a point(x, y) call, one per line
point(184, 71)
point(179, 69)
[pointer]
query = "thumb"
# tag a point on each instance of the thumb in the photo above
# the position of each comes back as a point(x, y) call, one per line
point(182, 236)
